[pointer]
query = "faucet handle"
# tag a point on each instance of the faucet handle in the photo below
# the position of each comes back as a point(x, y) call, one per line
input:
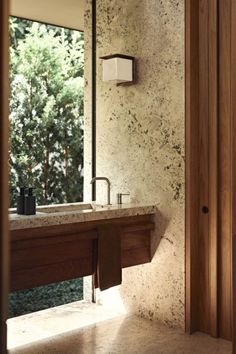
point(119, 197)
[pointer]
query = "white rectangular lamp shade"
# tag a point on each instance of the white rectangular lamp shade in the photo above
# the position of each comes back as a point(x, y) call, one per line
point(118, 70)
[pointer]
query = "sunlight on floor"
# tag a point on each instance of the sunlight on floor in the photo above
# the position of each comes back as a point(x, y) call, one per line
point(117, 335)
point(49, 323)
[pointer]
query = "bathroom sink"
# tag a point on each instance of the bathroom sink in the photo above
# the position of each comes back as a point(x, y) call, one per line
point(64, 208)
point(59, 208)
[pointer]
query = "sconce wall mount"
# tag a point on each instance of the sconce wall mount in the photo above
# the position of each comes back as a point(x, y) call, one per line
point(119, 68)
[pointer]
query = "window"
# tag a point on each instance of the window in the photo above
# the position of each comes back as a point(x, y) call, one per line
point(46, 111)
point(46, 132)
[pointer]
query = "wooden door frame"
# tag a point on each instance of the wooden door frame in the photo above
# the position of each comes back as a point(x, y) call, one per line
point(4, 243)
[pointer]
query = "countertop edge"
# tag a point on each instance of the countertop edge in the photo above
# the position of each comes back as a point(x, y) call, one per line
point(78, 217)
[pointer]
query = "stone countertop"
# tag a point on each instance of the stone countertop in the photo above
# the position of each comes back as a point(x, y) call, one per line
point(94, 212)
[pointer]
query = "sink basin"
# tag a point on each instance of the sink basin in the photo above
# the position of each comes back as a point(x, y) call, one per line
point(64, 208)
point(60, 208)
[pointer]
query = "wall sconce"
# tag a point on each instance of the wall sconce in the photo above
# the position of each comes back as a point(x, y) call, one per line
point(118, 68)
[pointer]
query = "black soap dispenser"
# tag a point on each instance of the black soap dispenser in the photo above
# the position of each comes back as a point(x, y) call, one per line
point(30, 203)
point(20, 202)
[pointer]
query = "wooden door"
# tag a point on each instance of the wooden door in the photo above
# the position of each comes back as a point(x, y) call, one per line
point(3, 171)
point(201, 166)
point(211, 167)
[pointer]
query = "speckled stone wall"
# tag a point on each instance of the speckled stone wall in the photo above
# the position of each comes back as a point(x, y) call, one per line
point(87, 99)
point(140, 141)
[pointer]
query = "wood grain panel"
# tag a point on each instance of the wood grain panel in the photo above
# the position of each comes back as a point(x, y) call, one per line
point(135, 239)
point(50, 254)
point(135, 248)
point(192, 163)
point(233, 117)
point(37, 242)
point(135, 257)
point(65, 229)
point(201, 165)
point(204, 316)
point(4, 90)
point(213, 165)
point(51, 273)
point(234, 259)
point(225, 160)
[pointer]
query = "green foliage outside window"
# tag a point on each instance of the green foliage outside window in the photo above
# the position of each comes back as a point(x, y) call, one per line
point(46, 111)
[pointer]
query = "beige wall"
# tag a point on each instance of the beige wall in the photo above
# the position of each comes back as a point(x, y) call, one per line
point(65, 13)
point(140, 141)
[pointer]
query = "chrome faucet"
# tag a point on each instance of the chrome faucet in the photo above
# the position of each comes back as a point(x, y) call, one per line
point(108, 187)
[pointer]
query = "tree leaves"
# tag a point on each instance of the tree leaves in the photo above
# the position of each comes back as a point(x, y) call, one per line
point(46, 111)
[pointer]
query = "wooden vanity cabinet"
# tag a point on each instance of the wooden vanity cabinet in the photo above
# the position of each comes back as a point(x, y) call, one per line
point(51, 254)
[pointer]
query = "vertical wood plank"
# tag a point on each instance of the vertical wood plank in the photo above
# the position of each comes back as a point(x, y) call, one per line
point(233, 118)
point(3, 170)
point(225, 158)
point(213, 165)
point(192, 163)
point(203, 259)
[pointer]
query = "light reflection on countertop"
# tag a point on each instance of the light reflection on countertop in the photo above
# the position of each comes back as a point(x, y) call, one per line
point(75, 213)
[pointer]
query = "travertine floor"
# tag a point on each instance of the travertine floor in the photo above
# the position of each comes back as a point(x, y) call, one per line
point(59, 331)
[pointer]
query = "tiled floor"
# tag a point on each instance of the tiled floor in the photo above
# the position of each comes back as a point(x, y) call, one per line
point(68, 330)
